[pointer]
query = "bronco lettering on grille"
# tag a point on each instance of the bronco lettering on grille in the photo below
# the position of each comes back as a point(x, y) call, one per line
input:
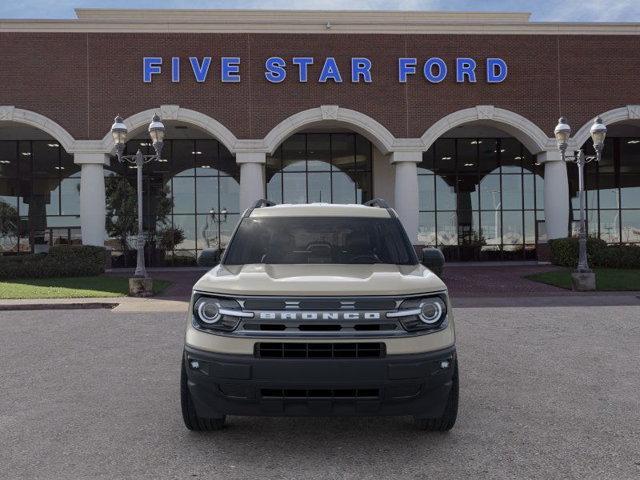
point(319, 316)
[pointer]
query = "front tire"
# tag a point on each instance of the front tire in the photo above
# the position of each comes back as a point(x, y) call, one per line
point(191, 419)
point(448, 418)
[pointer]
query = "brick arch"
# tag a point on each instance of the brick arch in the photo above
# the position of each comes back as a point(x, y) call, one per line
point(374, 131)
point(528, 133)
point(177, 113)
point(617, 115)
point(10, 113)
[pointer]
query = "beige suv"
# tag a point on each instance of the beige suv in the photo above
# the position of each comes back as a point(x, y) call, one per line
point(319, 309)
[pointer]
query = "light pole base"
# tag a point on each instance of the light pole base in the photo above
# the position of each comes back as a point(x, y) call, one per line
point(140, 287)
point(583, 281)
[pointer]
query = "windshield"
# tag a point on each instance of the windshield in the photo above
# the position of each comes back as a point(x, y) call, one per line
point(305, 240)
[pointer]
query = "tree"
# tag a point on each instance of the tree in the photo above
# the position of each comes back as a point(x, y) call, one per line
point(122, 210)
point(9, 222)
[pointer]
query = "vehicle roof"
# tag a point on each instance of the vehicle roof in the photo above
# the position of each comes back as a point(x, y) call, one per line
point(320, 210)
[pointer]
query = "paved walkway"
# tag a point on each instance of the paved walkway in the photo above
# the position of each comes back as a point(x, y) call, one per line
point(474, 285)
point(498, 281)
point(469, 285)
point(463, 281)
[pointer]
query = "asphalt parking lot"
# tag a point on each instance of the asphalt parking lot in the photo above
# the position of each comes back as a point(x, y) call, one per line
point(546, 392)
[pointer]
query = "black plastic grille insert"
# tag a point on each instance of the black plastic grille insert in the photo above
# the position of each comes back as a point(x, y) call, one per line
point(320, 350)
point(325, 393)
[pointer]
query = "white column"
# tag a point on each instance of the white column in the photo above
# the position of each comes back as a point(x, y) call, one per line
point(92, 197)
point(384, 175)
point(251, 177)
point(406, 199)
point(556, 194)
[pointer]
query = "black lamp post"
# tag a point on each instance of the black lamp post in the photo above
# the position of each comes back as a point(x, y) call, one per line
point(562, 133)
point(156, 132)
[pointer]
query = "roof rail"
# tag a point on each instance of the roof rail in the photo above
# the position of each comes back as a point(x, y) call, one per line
point(377, 202)
point(263, 202)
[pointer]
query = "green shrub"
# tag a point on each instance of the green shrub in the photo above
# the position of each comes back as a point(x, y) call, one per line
point(564, 252)
point(61, 261)
point(619, 256)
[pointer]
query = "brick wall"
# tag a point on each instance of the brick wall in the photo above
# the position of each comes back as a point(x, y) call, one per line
point(81, 80)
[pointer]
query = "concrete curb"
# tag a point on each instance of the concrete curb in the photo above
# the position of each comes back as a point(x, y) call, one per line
point(57, 306)
point(115, 304)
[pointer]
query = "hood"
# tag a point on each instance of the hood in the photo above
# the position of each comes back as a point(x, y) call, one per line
point(319, 280)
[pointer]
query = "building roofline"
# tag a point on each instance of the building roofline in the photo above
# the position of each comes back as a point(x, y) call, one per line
point(310, 21)
point(221, 15)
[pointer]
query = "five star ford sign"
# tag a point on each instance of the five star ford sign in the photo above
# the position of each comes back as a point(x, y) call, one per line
point(361, 69)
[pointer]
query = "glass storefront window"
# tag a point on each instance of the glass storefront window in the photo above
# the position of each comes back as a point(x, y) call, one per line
point(427, 228)
point(194, 189)
point(445, 194)
point(427, 191)
point(630, 191)
point(319, 153)
point(294, 188)
point(490, 198)
point(480, 198)
point(320, 167)
point(183, 192)
point(629, 155)
point(612, 192)
point(512, 191)
point(512, 228)
point(70, 195)
point(511, 155)
point(610, 226)
point(342, 184)
point(487, 155)
point(39, 195)
point(206, 194)
point(318, 186)
point(630, 223)
point(467, 192)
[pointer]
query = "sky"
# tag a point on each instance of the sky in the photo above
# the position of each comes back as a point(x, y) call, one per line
point(542, 10)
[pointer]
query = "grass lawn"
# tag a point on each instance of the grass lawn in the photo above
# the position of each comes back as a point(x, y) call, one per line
point(607, 279)
point(73, 287)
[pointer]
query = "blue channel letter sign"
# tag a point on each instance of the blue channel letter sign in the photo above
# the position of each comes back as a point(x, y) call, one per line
point(309, 69)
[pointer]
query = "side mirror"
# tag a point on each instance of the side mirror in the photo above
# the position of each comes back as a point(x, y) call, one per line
point(433, 259)
point(209, 257)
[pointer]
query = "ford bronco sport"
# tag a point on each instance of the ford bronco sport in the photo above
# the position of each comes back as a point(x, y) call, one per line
point(319, 309)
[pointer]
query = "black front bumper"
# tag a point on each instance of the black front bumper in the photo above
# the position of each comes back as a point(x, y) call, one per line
point(245, 385)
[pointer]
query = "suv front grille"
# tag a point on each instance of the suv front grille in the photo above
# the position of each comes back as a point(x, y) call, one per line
point(315, 327)
point(320, 350)
point(320, 304)
point(324, 393)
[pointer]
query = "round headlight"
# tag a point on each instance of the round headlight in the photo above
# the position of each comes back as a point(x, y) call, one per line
point(431, 311)
point(208, 310)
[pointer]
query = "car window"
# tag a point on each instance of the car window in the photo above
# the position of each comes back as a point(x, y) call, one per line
point(313, 240)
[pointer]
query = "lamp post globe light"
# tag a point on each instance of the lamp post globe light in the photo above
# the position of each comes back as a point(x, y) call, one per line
point(141, 284)
point(583, 278)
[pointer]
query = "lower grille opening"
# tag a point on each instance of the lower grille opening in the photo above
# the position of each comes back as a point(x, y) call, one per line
point(319, 328)
point(369, 327)
point(266, 327)
point(320, 350)
point(326, 393)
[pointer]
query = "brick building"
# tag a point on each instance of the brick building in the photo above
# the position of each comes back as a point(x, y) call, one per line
point(448, 116)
